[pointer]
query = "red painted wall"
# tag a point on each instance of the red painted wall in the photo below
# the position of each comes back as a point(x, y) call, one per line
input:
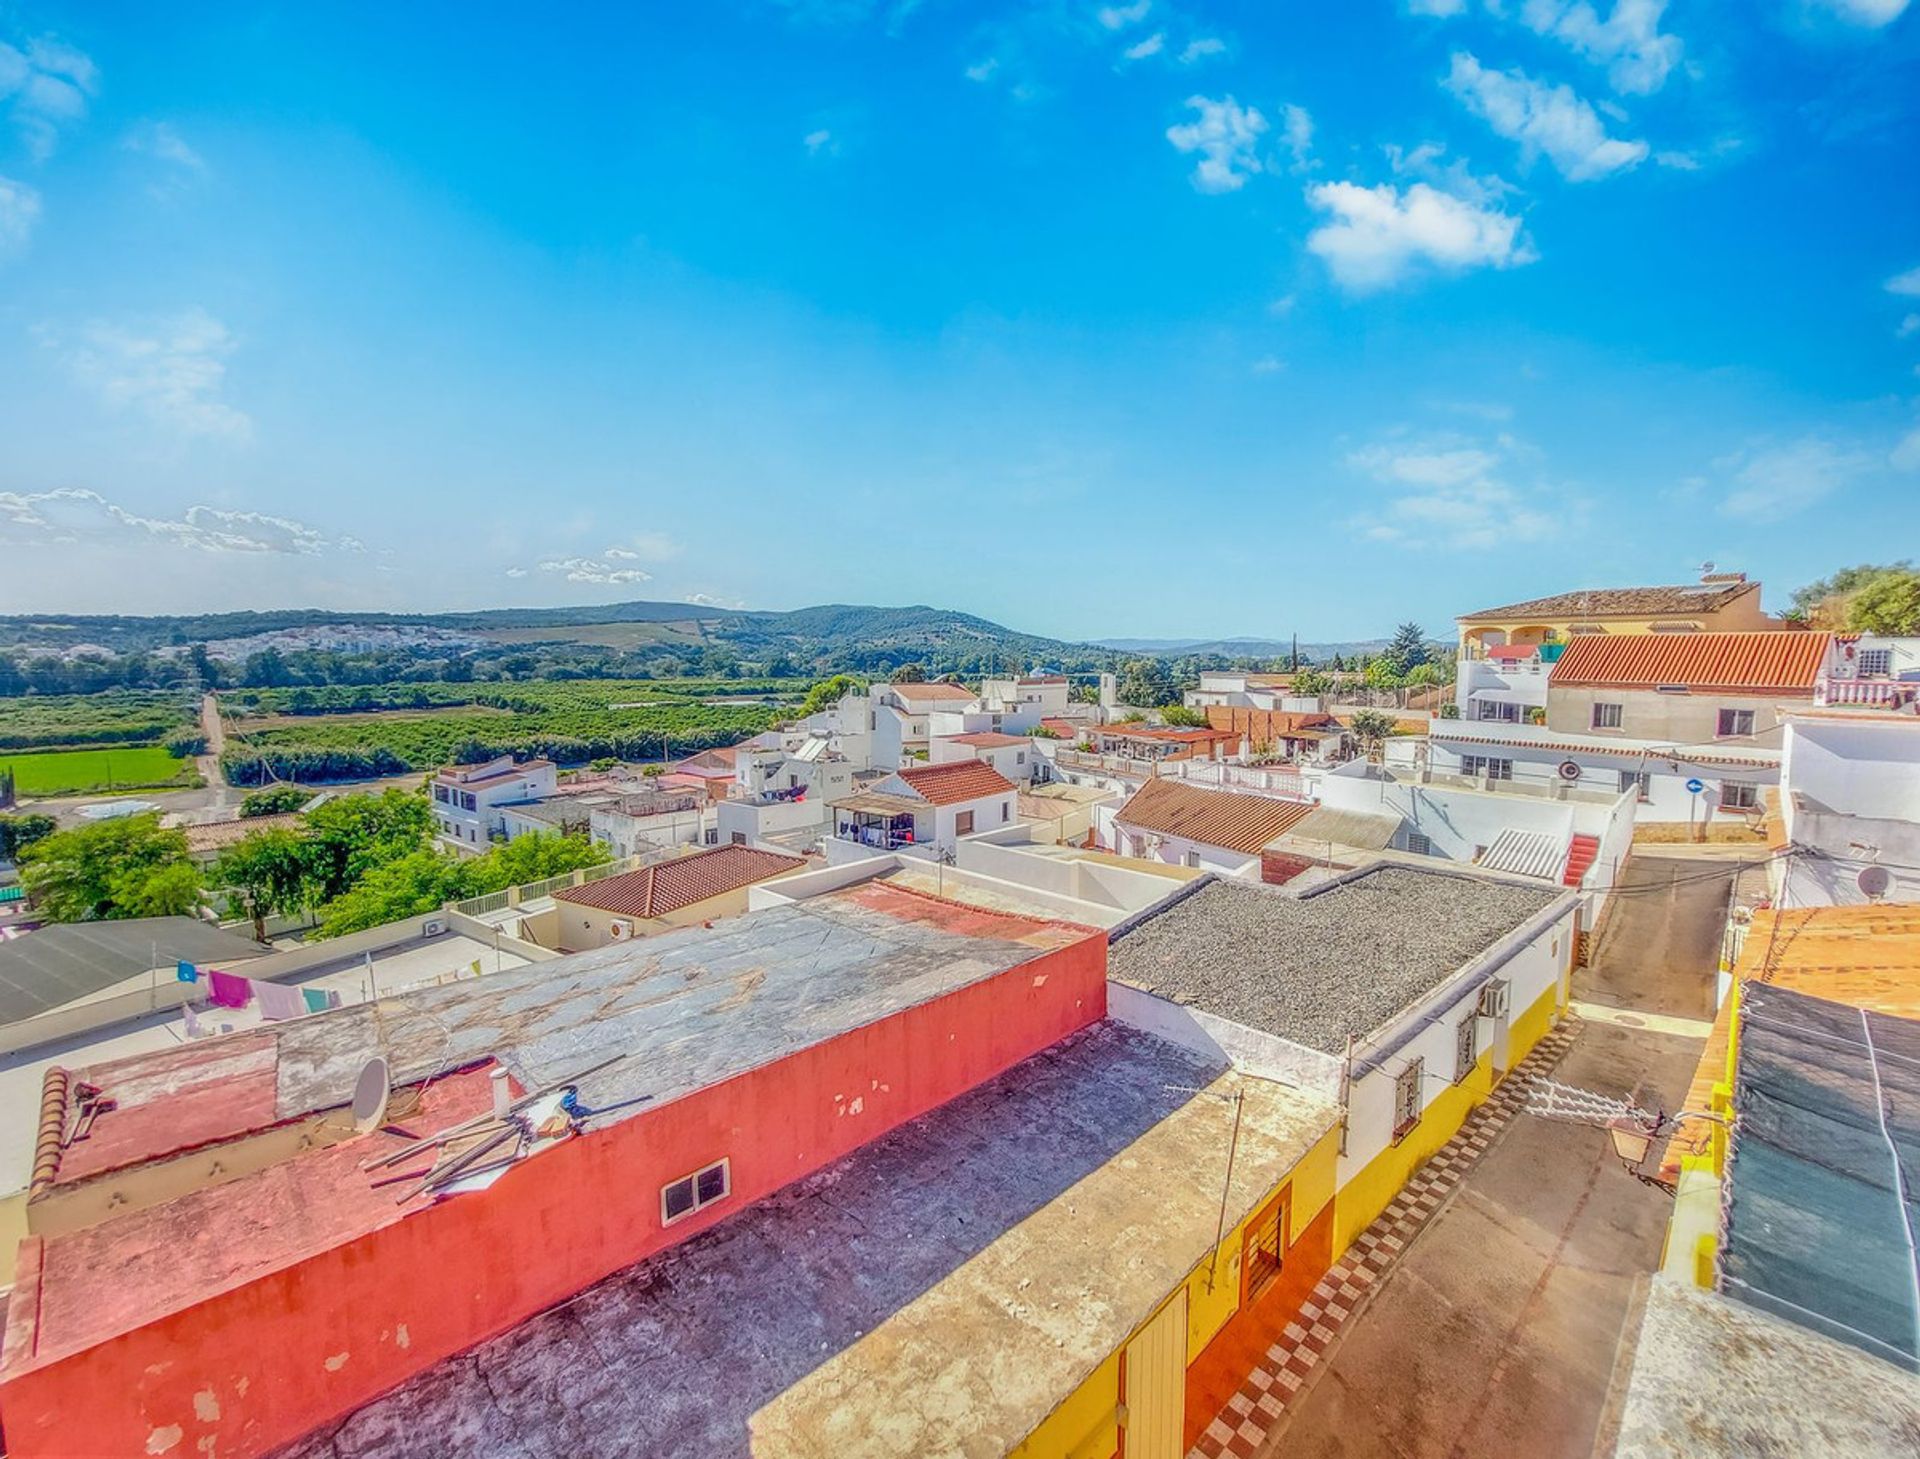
point(258, 1366)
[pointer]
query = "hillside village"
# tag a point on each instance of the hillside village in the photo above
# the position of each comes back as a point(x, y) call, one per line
point(980, 1063)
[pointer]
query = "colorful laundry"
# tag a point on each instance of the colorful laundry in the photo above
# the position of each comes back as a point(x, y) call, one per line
point(279, 1002)
point(316, 999)
point(186, 972)
point(229, 990)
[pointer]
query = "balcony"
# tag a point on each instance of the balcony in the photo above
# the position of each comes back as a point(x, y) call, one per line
point(1866, 693)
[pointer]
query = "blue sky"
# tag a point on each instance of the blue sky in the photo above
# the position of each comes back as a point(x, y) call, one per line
point(1096, 318)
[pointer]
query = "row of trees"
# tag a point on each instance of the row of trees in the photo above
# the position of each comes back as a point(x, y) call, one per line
point(361, 861)
point(1863, 599)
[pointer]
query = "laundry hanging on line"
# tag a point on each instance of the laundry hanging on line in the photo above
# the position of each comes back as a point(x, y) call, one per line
point(228, 990)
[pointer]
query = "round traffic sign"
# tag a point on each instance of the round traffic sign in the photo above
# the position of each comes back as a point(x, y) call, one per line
point(1694, 787)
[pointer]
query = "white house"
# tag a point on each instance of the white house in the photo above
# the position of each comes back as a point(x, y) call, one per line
point(653, 820)
point(1849, 809)
point(899, 719)
point(1405, 993)
point(1871, 670)
point(1560, 834)
point(1011, 755)
point(1240, 690)
point(783, 793)
point(467, 798)
point(923, 809)
point(1509, 683)
point(1034, 697)
point(1182, 824)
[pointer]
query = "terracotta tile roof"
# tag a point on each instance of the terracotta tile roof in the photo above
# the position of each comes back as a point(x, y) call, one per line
point(1212, 817)
point(955, 693)
point(989, 740)
point(1066, 728)
point(1681, 598)
point(1742, 663)
point(956, 781)
point(668, 886)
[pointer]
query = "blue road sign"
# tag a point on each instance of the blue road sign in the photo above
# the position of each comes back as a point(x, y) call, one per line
point(1694, 787)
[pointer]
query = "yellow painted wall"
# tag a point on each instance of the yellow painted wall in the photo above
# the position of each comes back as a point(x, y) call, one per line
point(1374, 1187)
point(13, 1230)
point(1532, 1024)
point(1742, 615)
point(1085, 1426)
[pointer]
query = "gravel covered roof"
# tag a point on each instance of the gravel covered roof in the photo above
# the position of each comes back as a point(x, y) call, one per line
point(1339, 960)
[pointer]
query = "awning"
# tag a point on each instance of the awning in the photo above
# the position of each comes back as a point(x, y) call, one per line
point(876, 804)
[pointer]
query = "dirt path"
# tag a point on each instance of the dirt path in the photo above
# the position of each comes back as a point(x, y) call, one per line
point(222, 795)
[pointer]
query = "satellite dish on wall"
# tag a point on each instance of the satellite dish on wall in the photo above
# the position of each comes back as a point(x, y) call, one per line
point(1569, 770)
point(1873, 882)
point(370, 1093)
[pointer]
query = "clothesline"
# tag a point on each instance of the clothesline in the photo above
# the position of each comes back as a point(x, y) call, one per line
point(230, 990)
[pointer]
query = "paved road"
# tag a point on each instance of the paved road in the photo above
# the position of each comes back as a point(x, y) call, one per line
point(1496, 1334)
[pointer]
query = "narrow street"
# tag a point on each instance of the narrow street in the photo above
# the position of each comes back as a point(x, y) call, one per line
point(1496, 1333)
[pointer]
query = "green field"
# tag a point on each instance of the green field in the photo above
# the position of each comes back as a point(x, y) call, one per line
point(122, 717)
point(84, 772)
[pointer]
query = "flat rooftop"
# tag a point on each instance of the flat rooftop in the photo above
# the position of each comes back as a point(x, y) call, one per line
point(689, 1008)
point(1335, 962)
point(1030, 1225)
point(1715, 1379)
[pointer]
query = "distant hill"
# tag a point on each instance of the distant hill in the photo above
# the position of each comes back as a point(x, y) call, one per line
point(1236, 648)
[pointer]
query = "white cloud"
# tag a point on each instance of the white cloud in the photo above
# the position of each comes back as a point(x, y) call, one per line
point(1774, 482)
point(1119, 17)
point(708, 600)
point(1909, 325)
point(1226, 135)
point(1870, 13)
point(1283, 306)
point(593, 570)
point(1628, 42)
point(620, 554)
point(1907, 283)
point(820, 141)
point(1379, 235)
point(983, 70)
point(1202, 47)
point(1905, 455)
point(1296, 130)
point(1269, 365)
point(172, 371)
point(19, 212)
point(75, 515)
point(1448, 493)
point(1436, 7)
point(1153, 45)
point(160, 140)
point(47, 86)
point(516, 572)
point(1542, 119)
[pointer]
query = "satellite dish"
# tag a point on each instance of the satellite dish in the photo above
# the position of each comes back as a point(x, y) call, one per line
point(370, 1093)
point(1569, 770)
point(1873, 882)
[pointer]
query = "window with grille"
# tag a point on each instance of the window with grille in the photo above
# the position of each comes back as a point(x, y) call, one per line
point(1606, 716)
point(1486, 765)
point(1406, 1098)
point(1736, 722)
point(1419, 843)
point(695, 1192)
point(1466, 1051)
point(1739, 795)
point(1264, 1251)
point(1874, 663)
point(1640, 782)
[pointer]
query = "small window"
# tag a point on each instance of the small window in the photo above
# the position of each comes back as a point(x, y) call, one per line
point(695, 1192)
point(1606, 716)
point(1739, 795)
point(963, 824)
point(1264, 1251)
point(1406, 1098)
point(1736, 722)
point(739, 838)
point(1874, 663)
point(1640, 782)
point(1466, 1051)
point(1193, 858)
point(1492, 768)
point(1006, 811)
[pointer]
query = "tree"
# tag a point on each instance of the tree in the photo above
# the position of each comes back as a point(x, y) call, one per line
point(1372, 726)
point(127, 867)
point(1147, 683)
point(347, 838)
point(1407, 649)
point(1889, 604)
point(1179, 715)
point(829, 692)
point(909, 674)
point(19, 832)
point(276, 800)
point(429, 878)
point(269, 872)
point(1824, 602)
point(1381, 674)
point(1310, 684)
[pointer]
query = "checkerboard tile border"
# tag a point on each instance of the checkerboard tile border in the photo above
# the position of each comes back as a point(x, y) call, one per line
point(1275, 1385)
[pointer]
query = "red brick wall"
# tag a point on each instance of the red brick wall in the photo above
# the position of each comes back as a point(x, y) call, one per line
point(259, 1365)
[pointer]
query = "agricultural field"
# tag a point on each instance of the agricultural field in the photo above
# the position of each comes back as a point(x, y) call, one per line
point(122, 717)
point(85, 772)
point(351, 732)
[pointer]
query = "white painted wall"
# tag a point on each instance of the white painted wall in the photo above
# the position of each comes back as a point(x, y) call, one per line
point(1851, 797)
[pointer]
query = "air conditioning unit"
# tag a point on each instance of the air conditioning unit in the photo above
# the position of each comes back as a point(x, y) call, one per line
point(433, 927)
point(620, 929)
point(1493, 999)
